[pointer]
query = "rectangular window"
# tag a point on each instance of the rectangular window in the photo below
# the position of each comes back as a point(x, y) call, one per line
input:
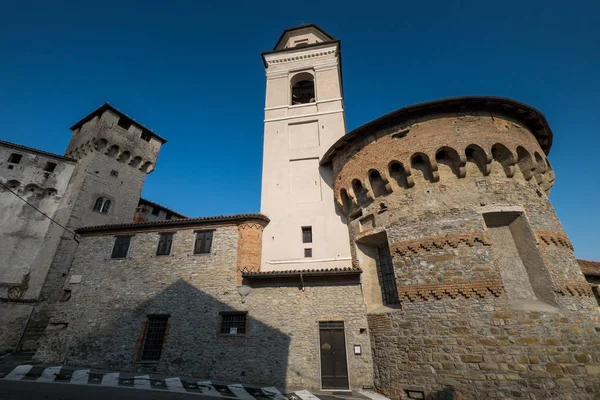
point(387, 276)
point(233, 323)
point(155, 210)
point(15, 158)
point(50, 166)
point(307, 253)
point(124, 123)
point(164, 244)
point(307, 234)
point(145, 136)
point(203, 242)
point(155, 337)
point(121, 246)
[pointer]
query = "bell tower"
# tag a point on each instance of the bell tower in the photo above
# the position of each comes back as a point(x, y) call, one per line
point(304, 116)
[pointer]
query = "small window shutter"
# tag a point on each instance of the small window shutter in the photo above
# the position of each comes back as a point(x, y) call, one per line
point(198, 244)
point(164, 244)
point(121, 246)
point(207, 242)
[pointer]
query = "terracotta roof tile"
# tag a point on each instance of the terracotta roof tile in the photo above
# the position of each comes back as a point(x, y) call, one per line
point(307, 272)
point(173, 222)
point(589, 268)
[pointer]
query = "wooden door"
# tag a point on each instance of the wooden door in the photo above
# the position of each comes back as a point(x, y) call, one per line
point(334, 370)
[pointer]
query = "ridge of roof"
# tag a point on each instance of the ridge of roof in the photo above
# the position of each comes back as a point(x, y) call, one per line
point(538, 123)
point(142, 200)
point(31, 149)
point(108, 106)
point(173, 222)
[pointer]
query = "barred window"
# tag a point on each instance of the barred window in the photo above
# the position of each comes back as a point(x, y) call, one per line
point(307, 234)
point(154, 337)
point(164, 244)
point(121, 247)
point(203, 242)
point(233, 323)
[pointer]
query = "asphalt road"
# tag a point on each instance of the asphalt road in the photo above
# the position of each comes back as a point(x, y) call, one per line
point(19, 390)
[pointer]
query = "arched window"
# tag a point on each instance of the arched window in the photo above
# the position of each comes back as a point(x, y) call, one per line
point(303, 88)
point(102, 205)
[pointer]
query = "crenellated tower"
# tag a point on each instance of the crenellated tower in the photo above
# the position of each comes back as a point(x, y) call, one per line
point(462, 255)
point(304, 115)
point(114, 154)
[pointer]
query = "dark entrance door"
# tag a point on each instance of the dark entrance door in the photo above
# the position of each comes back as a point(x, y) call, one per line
point(334, 370)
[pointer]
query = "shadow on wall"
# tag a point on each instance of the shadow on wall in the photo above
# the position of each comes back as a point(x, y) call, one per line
point(109, 332)
point(448, 393)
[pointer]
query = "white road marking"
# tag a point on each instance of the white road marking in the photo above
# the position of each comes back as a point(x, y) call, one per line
point(19, 372)
point(306, 395)
point(373, 395)
point(49, 374)
point(274, 393)
point(174, 385)
point(209, 388)
point(240, 392)
point(111, 379)
point(142, 382)
point(80, 377)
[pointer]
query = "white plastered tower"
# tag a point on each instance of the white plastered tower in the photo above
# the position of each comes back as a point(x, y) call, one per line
point(304, 116)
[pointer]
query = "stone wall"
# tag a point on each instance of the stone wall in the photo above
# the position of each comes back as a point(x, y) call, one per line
point(490, 299)
point(102, 323)
point(485, 349)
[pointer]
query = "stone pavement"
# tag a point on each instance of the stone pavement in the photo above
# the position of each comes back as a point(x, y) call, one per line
point(82, 376)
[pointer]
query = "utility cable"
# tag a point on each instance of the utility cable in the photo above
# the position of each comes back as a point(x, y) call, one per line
point(41, 212)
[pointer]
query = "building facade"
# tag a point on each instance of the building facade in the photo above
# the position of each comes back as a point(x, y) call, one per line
point(418, 254)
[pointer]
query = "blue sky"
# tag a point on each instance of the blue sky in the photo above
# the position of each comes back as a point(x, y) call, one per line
point(192, 72)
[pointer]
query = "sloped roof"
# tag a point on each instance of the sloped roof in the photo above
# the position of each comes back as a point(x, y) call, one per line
point(304, 272)
point(107, 106)
point(156, 205)
point(172, 223)
point(589, 268)
point(533, 119)
point(32, 150)
point(286, 33)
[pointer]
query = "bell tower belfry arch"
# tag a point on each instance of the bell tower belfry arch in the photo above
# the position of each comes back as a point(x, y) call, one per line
point(304, 116)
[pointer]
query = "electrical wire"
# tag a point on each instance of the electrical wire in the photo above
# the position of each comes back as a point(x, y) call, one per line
point(41, 212)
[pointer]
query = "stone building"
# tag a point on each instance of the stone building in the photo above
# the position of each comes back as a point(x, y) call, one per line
point(418, 254)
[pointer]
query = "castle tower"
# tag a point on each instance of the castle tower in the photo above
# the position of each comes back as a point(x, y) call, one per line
point(304, 116)
point(114, 153)
point(470, 281)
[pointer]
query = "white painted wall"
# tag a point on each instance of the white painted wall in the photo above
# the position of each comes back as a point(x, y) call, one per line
point(296, 191)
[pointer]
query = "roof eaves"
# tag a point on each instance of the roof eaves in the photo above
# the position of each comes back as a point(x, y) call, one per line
point(297, 28)
point(432, 105)
point(31, 149)
point(146, 201)
point(108, 106)
point(173, 223)
point(306, 273)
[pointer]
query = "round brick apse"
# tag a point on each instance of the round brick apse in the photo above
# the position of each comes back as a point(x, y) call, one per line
point(467, 272)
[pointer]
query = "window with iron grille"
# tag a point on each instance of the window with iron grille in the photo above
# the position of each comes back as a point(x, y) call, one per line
point(307, 234)
point(121, 247)
point(155, 337)
point(233, 323)
point(203, 242)
point(164, 244)
point(307, 253)
point(387, 278)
